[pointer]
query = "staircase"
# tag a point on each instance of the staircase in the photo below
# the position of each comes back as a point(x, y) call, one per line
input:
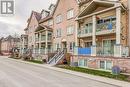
point(56, 58)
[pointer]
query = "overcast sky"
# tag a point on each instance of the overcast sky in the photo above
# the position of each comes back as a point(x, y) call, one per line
point(23, 8)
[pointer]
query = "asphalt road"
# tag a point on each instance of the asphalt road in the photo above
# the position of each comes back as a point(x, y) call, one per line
point(17, 74)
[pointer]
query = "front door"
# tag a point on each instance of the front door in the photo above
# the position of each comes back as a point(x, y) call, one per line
point(64, 46)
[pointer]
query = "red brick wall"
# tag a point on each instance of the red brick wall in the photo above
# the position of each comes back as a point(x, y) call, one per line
point(123, 63)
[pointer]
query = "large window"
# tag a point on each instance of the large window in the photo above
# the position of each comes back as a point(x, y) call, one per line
point(70, 30)
point(83, 63)
point(70, 14)
point(59, 18)
point(107, 65)
point(88, 28)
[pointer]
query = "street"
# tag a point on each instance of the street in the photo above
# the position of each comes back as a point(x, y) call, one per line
point(17, 74)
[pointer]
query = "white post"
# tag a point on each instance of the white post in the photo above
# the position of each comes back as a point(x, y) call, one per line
point(40, 43)
point(46, 45)
point(23, 45)
point(118, 48)
point(118, 25)
point(76, 33)
point(94, 36)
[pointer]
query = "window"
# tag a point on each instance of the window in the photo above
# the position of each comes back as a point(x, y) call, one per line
point(50, 22)
point(70, 14)
point(107, 65)
point(59, 19)
point(58, 33)
point(83, 63)
point(72, 45)
point(88, 44)
point(102, 64)
point(70, 30)
point(58, 46)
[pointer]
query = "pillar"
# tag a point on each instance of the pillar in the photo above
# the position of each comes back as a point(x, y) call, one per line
point(118, 47)
point(93, 49)
point(46, 44)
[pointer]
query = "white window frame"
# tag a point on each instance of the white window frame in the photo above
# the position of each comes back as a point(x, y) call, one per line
point(70, 13)
point(59, 18)
point(105, 62)
point(70, 30)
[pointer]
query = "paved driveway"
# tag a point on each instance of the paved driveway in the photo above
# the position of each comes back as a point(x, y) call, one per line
point(17, 74)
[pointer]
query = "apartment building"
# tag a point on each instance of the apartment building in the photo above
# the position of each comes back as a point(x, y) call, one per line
point(94, 32)
point(8, 44)
point(65, 25)
point(103, 35)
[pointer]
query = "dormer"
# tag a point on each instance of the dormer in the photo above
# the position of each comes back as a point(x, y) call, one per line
point(51, 8)
point(45, 13)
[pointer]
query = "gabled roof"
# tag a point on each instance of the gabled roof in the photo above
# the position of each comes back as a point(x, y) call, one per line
point(97, 3)
point(37, 15)
point(45, 19)
point(43, 27)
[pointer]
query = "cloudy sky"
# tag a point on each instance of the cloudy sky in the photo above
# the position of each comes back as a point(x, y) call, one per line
point(17, 23)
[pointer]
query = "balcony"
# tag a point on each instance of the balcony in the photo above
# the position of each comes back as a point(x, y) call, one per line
point(43, 38)
point(85, 32)
point(105, 51)
point(106, 28)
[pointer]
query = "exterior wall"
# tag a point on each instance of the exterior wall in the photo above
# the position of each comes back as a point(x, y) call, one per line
point(7, 45)
point(31, 31)
point(62, 8)
point(94, 62)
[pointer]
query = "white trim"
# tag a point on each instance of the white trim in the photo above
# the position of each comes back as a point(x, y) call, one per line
point(95, 13)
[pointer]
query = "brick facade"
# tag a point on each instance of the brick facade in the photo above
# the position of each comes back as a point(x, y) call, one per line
point(93, 62)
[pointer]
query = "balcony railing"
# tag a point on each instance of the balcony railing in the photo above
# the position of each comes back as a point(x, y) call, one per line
point(106, 28)
point(43, 38)
point(85, 32)
point(105, 51)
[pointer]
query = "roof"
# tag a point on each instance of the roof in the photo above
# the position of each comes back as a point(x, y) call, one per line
point(46, 18)
point(43, 27)
point(96, 3)
point(8, 38)
point(37, 15)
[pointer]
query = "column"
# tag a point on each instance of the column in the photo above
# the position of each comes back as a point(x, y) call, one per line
point(76, 33)
point(34, 51)
point(117, 48)
point(40, 42)
point(23, 45)
point(46, 44)
point(76, 39)
point(93, 52)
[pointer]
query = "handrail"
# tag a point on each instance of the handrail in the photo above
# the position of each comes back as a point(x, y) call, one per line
point(54, 57)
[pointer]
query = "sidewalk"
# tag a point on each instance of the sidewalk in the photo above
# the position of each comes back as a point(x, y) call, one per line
point(88, 76)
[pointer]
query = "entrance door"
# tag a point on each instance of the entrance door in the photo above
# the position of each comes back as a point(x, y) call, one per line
point(64, 46)
point(108, 47)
